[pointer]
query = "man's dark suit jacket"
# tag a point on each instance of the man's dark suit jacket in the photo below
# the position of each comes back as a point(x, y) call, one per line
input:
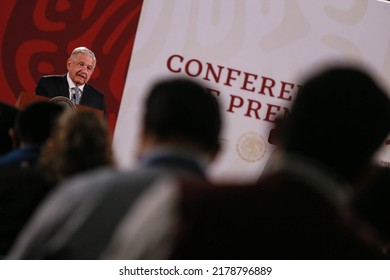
point(57, 85)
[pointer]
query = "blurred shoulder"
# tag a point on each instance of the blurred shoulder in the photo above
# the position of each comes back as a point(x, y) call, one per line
point(52, 78)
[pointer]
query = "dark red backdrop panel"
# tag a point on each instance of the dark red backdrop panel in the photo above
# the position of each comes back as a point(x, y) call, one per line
point(36, 38)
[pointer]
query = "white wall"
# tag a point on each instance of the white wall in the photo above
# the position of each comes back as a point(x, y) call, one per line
point(277, 40)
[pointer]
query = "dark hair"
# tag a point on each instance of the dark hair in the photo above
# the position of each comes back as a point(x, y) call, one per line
point(341, 116)
point(81, 141)
point(35, 122)
point(182, 109)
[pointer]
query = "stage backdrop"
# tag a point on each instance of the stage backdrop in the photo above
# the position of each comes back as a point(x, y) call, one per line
point(37, 37)
point(252, 54)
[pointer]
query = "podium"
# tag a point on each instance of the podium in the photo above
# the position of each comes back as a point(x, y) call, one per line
point(26, 98)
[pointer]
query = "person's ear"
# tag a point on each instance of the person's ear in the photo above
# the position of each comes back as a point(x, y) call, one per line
point(14, 137)
point(68, 63)
point(214, 154)
point(145, 143)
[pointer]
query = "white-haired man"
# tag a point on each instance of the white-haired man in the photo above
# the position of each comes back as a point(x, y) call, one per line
point(74, 85)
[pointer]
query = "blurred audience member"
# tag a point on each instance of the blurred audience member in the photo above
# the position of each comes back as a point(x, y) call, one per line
point(301, 210)
point(81, 141)
point(8, 115)
point(84, 218)
point(22, 187)
point(33, 126)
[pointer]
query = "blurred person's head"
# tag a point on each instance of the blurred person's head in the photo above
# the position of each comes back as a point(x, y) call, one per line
point(81, 141)
point(340, 118)
point(8, 115)
point(181, 113)
point(34, 123)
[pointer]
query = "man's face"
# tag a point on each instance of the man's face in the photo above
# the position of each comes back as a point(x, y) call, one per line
point(80, 68)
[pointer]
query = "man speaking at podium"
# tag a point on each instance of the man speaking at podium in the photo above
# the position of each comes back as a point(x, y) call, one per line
point(73, 85)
